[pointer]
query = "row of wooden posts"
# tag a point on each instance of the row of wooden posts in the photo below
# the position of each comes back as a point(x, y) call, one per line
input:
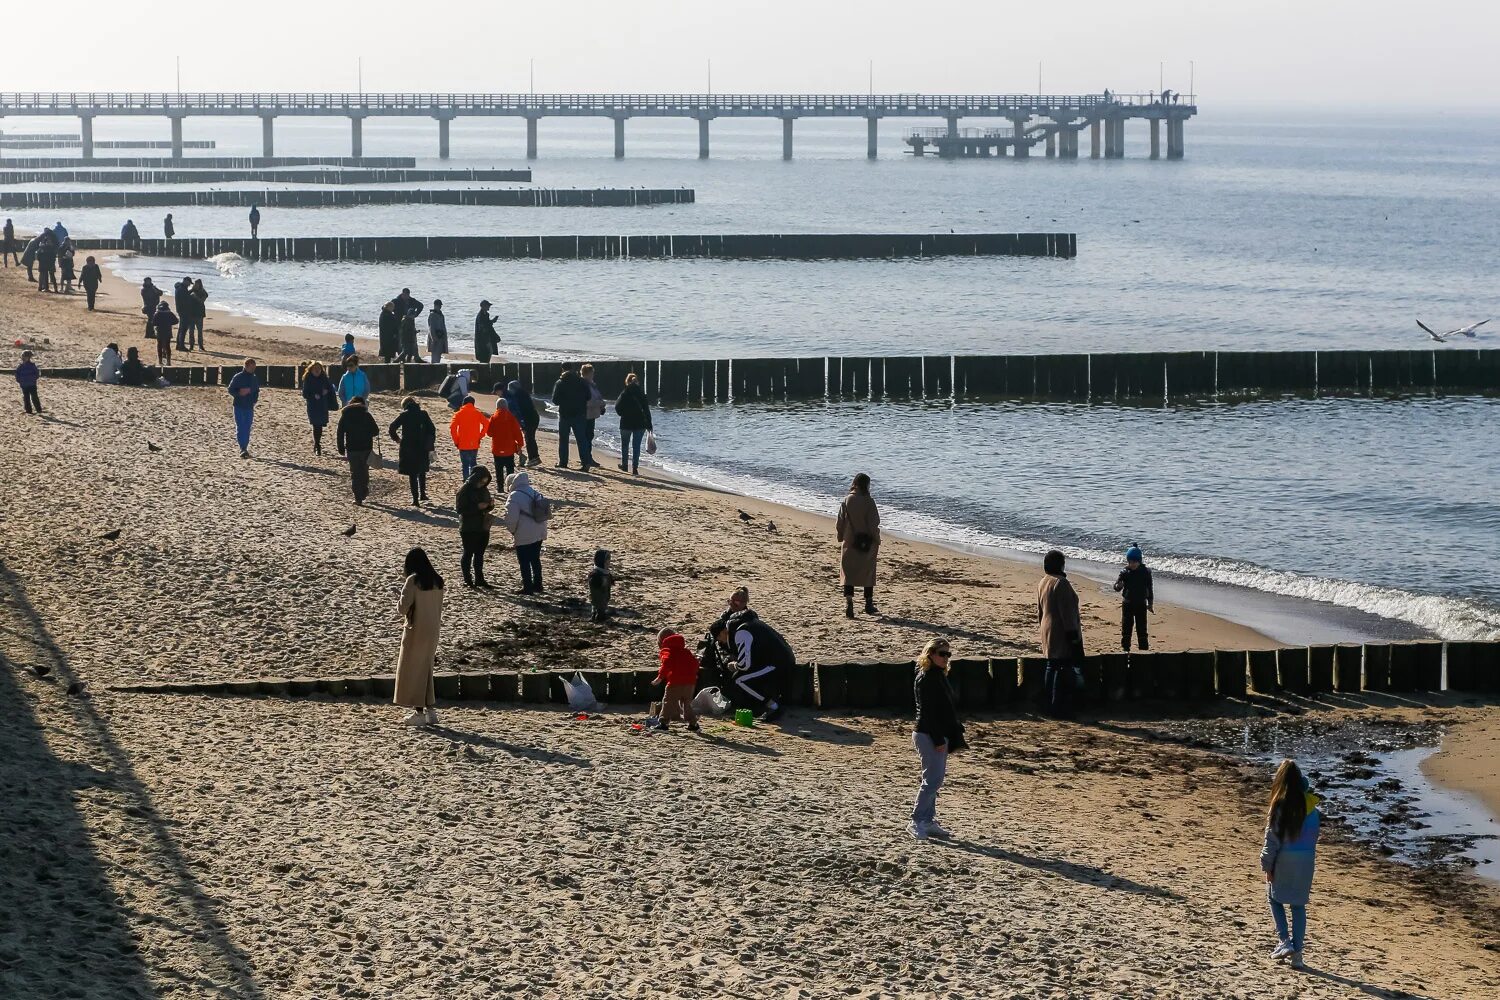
point(526, 197)
point(997, 684)
point(285, 175)
point(54, 163)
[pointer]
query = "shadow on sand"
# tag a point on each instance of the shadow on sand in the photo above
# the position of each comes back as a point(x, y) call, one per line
point(1082, 874)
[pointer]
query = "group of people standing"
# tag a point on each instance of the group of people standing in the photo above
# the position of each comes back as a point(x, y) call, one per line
point(190, 298)
point(49, 258)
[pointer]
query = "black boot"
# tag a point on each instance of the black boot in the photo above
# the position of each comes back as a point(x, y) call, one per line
point(848, 607)
point(870, 608)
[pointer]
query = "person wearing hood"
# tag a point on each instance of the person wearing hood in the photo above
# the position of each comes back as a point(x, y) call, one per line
point(1061, 634)
point(255, 222)
point(519, 402)
point(184, 307)
point(91, 278)
point(634, 411)
point(317, 392)
point(27, 376)
point(571, 396)
point(196, 300)
point(61, 232)
point(409, 352)
point(1288, 856)
point(162, 322)
point(65, 255)
point(601, 586)
point(107, 368)
point(421, 609)
point(437, 332)
point(475, 505)
point(356, 434)
point(150, 296)
point(762, 661)
point(129, 235)
point(506, 439)
point(677, 676)
point(486, 340)
point(390, 333)
point(244, 390)
point(1137, 599)
point(29, 255)
point(858, 530)
point(168, 229)
point(416, 435)
point(467, 428)
point(46, 262)
point(8, 244)
point(526, 515)
point(132, 371)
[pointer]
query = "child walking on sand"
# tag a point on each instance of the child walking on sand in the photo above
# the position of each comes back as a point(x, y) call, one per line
point(601, 583)
point(1136, 598)
point(679, 674)
point(1287, 859)
point(27, 374)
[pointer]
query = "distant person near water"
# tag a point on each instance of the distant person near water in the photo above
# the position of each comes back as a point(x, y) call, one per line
point(634, 411)
point(486, 340)
point(162, 323)
point(416, 436)
point(593, 409)
point(321, 400)
point(1061, 634)
point(65, 255)
point(409, 352)
point(28, 257)
point(519, 402)
point(437, 333)
point(937, 734)
point(244, 392)
point(1289, 855)
point(129, 235)
point(390, 333)
point(476, 513)
point(184, 309)
point(527, 512)
point(27, 376)
point(421, 608)
point(91, 278)
point(858, 530)
point(168, 228)
point(150, 297)
point(571, 396)
point(467, 428)
point(46, 262)
point(255, 222)
point(1137, 599)
point(506, 441)
point(8, 244)
point(356, 436)
point(354, 381)
point(197, 303)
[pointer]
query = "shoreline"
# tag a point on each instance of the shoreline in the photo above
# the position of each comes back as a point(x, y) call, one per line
point(1468, 761)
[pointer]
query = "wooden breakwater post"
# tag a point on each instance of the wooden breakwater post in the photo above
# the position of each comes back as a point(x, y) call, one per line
point(1199, 672)
point(1402, 674)
point(1230, 672)
point(349, 198)
point(1348, 668)
point(1291, 669)
point(1429, 667)
point(1377, 667)
point(1263, 673)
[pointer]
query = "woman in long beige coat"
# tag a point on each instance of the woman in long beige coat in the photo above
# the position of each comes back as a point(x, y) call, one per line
point(422, 608)
point(859, 539)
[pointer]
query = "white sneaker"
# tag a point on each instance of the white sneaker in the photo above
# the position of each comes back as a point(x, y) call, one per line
point(917, 830)
point(935, 829)
point(1297, 960)
point(1282, 950)
point(432, 716)
point(415, 719)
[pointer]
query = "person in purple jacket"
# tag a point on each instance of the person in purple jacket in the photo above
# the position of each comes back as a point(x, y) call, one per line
point(244, 390)
point(27, 374)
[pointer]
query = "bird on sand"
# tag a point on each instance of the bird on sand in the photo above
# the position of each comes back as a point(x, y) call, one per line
point(743, 516)
point(152, 447)
point(771, 526)
point(348, 532)
point(1463, 331)
point(111, 535)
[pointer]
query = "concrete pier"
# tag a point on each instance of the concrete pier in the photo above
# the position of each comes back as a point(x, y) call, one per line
point(620, 138)
point(184, 174)
point(356, 136)
point(1174, 139)
point(703, 138)
point(1052, 144)
point(786, 138)
point(531, 137)
point(872, 138)
point(1094, 139)
point(1156, 138)
point(444, 121)
point(87, 137)
point(268, 136)
point(1021, 149)
point(176, 137)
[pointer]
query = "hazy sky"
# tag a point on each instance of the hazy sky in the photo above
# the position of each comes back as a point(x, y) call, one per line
point(1270, 52)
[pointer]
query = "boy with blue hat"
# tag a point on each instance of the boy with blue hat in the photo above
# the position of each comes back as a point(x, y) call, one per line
point(1136, 598)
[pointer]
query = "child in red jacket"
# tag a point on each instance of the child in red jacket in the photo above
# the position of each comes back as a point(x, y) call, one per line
point(679, 672)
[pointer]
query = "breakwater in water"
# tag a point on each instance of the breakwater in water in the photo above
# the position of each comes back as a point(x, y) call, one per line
point(77, 143)
point(789, 246)
point(954, 377)
point(350, 197)
point(294, 175)
point(57, 163)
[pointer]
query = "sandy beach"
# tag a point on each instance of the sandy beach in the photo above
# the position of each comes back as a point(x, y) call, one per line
point(263, 848)
point(1470, 760)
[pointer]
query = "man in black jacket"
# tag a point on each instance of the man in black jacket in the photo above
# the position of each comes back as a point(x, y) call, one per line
point(762, 659)
point(357, 432)
point(390, 332)
point(486, 340)
point(571, 396)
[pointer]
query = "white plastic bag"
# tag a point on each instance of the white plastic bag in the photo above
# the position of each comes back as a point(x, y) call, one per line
point(580, 695)
point(710, 702)
point(651, 442)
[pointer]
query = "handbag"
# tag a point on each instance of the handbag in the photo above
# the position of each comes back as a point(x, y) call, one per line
point(863, 541)
point(651, 442)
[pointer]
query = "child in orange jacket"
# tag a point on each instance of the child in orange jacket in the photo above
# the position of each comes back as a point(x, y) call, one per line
point(679, 672)
point(505, 440)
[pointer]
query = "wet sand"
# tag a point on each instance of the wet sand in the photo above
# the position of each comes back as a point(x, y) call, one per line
point(1470, 761)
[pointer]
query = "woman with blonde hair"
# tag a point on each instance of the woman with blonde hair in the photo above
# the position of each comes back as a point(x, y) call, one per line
point(937, 733)
point(317, 390)
point(1288, 856)
point(634, 411)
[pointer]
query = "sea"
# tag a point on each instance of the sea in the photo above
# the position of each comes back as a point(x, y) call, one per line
point(1316, 519)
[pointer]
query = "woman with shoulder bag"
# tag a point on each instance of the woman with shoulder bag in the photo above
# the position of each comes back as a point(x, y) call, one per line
point(526, 515)
point(937, 734)
point(859, 539)
point(417, 438)
point(475, 508)
point(634, 411)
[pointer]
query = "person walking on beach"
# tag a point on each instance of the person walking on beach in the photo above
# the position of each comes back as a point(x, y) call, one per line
point(197, 302)
point(27, 376)
point(677, 676)
point(421, 608)
point(571, 396)
point(91, 278)
point(1061, 633)
point(162, 323)
point(858, 530)
point(937, 733)
point(107, 368)
point(416, 439)
point(28, 257)
point(1136, 598)
point(437, 332)
point(526, 515)
point(476, 506)
point(317, 392)
point(168, 229)
point(506, 440)
point(519, 402)
point(244, 391)
point(634, 411)
point(8, 244)
point(390, 333)
point(356, 435)
point(592, 411)
point(467, 428)
point(486, 340)
point(150, 297)
point(255, 222)
point(1289, 856)
point(354, 381)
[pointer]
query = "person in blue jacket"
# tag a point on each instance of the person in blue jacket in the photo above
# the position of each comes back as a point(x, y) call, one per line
point(354, 384)
point(244, 391)
point(1288, 856)
point(317, 390)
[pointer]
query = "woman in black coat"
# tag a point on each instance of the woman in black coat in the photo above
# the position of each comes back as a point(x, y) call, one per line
point(390, 333)
point(417, 437)
point(634, 411)
point(475, 505)
point(937, 734)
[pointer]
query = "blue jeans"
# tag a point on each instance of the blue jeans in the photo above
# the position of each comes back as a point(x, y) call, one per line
point(1298, 931)
point(467, 459)
point(579, 427)
point(1060, 680)
point(630, 448)
point(244, 416)
point(934, 770)
point(530, 558)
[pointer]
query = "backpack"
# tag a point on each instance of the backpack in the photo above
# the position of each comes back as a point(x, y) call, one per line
point(541, 508)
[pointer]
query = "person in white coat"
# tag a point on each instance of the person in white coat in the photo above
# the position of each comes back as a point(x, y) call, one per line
point(107, 368)
point(526, 515)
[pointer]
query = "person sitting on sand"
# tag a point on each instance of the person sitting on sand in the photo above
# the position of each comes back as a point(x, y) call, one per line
point(601, 585)
point(937, 733)
point(422, 608)
point(677, 676)
point(1288, 856)
point(132, 371)
point(1061, 633)
point(107, 368)
point(761, 660)
point(708, 660)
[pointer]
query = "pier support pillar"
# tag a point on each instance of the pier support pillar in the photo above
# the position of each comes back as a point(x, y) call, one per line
point(87, 134)
point(1174, 138)
point(1156, 138)
point(703, 138)
point(531, 138)
point(443, 144)
point(1114, 139)
point(267, 136)
point(1051, 144)
point(1094, 139)
point(786, 138)
point(356, 136)
point(953, 126)
point(1021, 148)
point(619, 138)
point(176, 137)
point(872, 137)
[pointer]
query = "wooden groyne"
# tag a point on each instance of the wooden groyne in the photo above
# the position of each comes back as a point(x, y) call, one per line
point(1000, 684)
point(53, 163)
point(292, 175)
point(791, 246)
point(350, 197)
point(77, 142)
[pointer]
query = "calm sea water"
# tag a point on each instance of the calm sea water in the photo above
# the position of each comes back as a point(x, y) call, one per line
point(1278, 231)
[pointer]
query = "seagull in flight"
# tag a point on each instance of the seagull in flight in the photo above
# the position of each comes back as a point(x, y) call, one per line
point(1463, 331)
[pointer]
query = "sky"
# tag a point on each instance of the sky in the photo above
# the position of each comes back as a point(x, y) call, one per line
point(1270, 53)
